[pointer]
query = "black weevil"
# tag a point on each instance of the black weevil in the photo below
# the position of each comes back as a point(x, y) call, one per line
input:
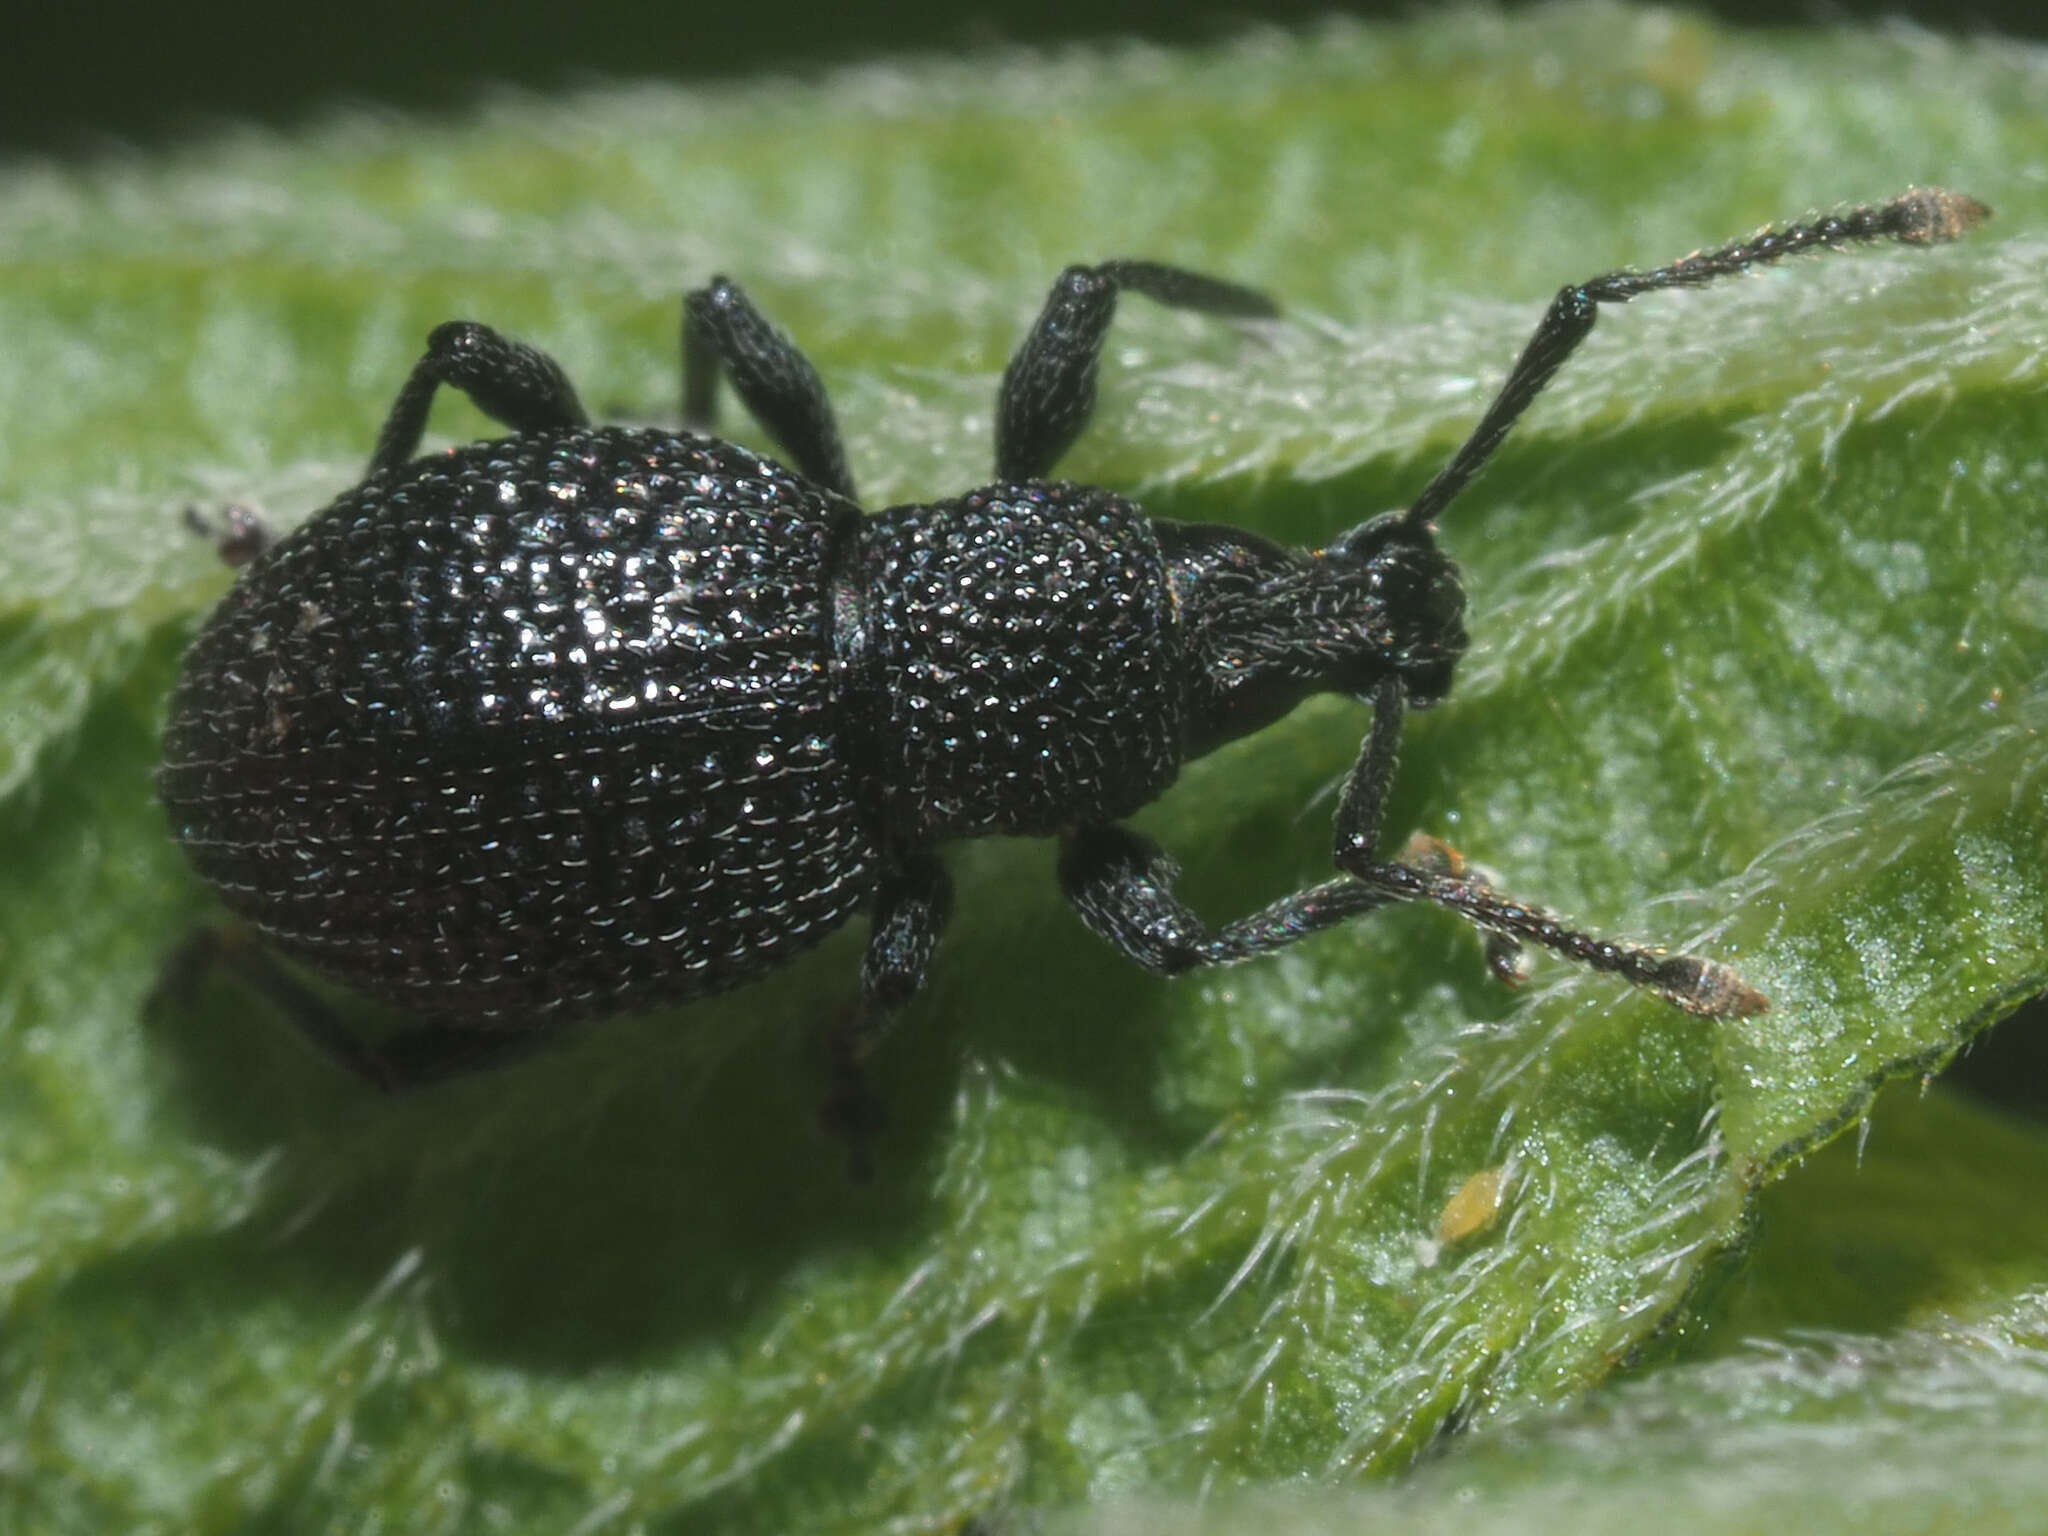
point(586, 719)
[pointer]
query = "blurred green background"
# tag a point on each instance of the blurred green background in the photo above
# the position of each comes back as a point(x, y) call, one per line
point(88, 77)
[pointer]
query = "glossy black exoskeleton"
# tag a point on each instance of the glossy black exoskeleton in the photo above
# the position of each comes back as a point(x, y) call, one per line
point(585, 719)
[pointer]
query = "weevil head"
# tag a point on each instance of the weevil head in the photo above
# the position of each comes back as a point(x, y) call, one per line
point(1265, 627)
point(1412, 601)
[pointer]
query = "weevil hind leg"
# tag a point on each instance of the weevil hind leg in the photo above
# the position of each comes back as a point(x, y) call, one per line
point(516, 385)
point(236, 952)
point(415, 1057)
point(426, 1054)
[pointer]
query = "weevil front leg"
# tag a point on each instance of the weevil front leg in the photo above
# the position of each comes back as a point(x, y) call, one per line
point(1120, 883)
point(1699, 986)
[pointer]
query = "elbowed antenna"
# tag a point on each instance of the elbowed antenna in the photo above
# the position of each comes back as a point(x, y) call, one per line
point(1923, 216)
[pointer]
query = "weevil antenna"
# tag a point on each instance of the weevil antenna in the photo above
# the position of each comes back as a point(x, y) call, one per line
point(1923, 216)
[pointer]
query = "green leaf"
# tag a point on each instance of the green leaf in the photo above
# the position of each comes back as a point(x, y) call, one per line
point(1924, 1217)
point(1932, 1420)
point(1758, 617)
